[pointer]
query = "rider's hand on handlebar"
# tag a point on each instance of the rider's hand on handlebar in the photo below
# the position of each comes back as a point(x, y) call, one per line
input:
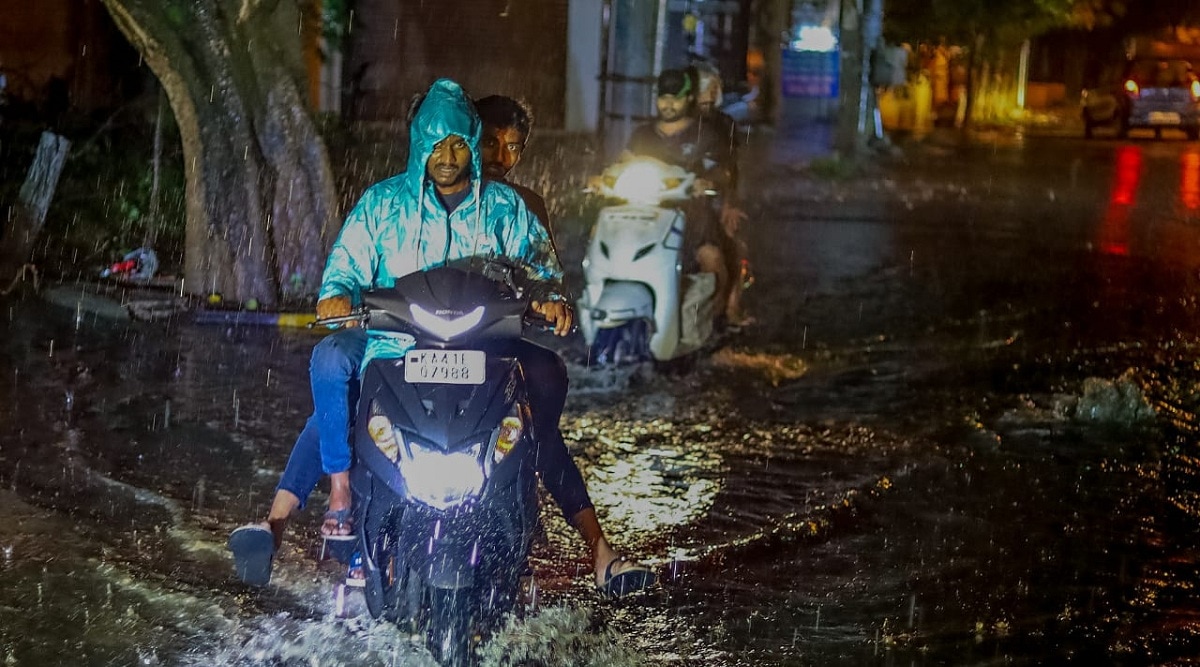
point(335, 306)
point(701, 187)
point(558, 313)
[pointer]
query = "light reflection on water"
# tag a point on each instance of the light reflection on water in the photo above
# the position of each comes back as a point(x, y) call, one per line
point(651, 475)
point(818, 542)
point(151, 498)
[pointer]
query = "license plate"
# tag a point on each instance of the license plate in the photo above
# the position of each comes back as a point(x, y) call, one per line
point(1164, 118)
point(445, 366)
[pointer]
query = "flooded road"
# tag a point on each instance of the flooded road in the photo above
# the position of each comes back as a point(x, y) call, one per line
point(933, 449)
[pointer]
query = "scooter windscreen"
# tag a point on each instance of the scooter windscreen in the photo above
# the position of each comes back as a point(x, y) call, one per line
point(437, 421)
point(476, 297)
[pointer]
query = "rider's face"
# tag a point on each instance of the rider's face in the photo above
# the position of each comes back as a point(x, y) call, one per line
point(671, 108)
point(500, 149)
point(450, 164)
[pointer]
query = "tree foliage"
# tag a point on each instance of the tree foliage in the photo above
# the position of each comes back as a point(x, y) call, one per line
point(1133, 16)
point(991, 24)
point(1002, 23)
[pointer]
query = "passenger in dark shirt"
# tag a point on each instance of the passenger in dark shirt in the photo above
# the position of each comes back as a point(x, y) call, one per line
point(506, 126)
point(732, 215)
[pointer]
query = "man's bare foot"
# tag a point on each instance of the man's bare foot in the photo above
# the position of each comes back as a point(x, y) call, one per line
point(608, 563)
point(623, 576)
point(620, 565)
point(338, 522)
point(338, 525)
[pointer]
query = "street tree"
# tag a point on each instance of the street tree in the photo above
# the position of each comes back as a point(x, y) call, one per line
point(990, 29)
point(1133, 16)
point(261, 202)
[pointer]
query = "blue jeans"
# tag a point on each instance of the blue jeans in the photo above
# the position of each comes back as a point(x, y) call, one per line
point(303, 469)
point(324, 444)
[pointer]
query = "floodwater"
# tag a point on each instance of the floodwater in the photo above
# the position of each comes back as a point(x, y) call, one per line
point(963, 432)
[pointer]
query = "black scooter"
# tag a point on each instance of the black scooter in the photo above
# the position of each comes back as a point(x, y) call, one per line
point(445, 490)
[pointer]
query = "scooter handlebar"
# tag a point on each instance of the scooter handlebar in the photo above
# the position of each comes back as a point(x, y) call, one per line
point(534, 320)
point(340, 321)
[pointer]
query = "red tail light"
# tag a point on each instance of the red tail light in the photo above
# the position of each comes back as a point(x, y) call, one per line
point(1131, 87)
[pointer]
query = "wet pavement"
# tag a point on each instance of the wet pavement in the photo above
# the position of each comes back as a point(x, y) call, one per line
point(932, 449)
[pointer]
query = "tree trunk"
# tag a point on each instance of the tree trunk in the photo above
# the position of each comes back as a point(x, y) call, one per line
point(772, 20)
point(974, 57)
point(26, 218)
point(260, 193)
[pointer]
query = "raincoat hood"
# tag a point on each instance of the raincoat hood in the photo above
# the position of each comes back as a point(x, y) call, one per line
point(446, 110)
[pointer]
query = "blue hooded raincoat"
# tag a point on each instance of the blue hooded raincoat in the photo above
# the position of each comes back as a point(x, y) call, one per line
point(399, 226)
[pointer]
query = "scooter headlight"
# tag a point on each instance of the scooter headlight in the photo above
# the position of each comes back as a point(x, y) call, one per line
point(640, 182)
point(441, 480)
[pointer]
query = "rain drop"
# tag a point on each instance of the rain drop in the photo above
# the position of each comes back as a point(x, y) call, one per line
point(198, 495)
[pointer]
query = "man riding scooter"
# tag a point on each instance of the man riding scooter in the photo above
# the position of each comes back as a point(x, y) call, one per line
point(437, 211)
point(678, 137)
point(506, 127)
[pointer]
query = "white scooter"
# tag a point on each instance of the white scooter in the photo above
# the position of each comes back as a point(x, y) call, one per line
point(637, 303)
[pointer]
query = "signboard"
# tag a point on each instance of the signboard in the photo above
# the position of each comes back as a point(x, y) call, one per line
point(810, 74)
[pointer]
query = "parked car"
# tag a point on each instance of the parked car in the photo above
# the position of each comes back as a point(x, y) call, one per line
point(1153, 93)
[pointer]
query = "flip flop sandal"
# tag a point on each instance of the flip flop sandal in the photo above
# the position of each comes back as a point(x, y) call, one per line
point(634, 579)
point(343, 518)
point(253, 550)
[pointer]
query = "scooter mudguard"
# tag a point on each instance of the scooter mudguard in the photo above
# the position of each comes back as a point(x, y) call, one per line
point(620, 302)
point(632, 267)
point(450, 550)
